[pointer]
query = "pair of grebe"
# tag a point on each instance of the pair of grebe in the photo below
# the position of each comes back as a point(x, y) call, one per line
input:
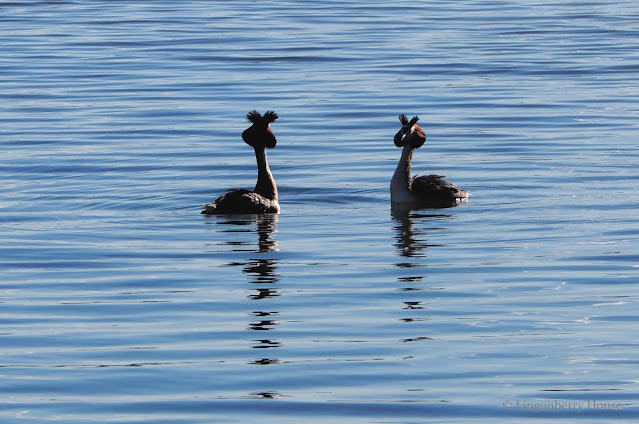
point(406, 192)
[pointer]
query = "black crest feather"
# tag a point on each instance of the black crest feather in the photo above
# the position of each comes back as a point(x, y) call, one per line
point(253, 116)
point(404, 120)
point(256, 118)
point(270, 116)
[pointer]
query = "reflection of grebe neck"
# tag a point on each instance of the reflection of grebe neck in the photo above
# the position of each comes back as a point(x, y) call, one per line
point(400, 183)
point(265, 182)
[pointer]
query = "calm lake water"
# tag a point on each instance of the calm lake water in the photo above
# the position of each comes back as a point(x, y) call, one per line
point(119, 302)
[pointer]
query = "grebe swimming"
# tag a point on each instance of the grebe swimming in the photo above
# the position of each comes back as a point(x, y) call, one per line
point(263, 198)
point(425, 191)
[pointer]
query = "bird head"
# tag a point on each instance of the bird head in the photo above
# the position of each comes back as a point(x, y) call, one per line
point(259, 134)
point(410, 133)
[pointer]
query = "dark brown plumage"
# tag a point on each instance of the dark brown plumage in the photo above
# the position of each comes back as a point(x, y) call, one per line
point(425, 191)
point(263, 198)
point(436, 191)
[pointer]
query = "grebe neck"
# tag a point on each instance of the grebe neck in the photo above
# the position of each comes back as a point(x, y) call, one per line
point(400, 183)
point(265, 182)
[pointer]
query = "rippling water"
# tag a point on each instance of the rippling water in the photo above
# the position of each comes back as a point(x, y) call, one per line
point(121, 303)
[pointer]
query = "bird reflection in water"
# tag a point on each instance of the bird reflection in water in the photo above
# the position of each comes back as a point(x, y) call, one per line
point(411, 242)
point(265, 395)
point(262, 274)
point(411, 227)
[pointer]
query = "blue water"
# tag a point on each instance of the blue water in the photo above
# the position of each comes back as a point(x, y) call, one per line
point(119, 302)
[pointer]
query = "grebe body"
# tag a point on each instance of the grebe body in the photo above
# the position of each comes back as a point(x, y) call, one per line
point(425, 191)
point(263, 198)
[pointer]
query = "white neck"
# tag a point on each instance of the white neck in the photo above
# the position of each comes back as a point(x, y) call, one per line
point(400, 183)
point(265, 182)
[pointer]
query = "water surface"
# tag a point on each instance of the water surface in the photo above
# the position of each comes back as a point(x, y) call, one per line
point(121, 303)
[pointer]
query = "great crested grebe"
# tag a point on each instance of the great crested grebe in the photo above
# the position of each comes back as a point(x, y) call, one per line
point(425, 191)
point(263, 198)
